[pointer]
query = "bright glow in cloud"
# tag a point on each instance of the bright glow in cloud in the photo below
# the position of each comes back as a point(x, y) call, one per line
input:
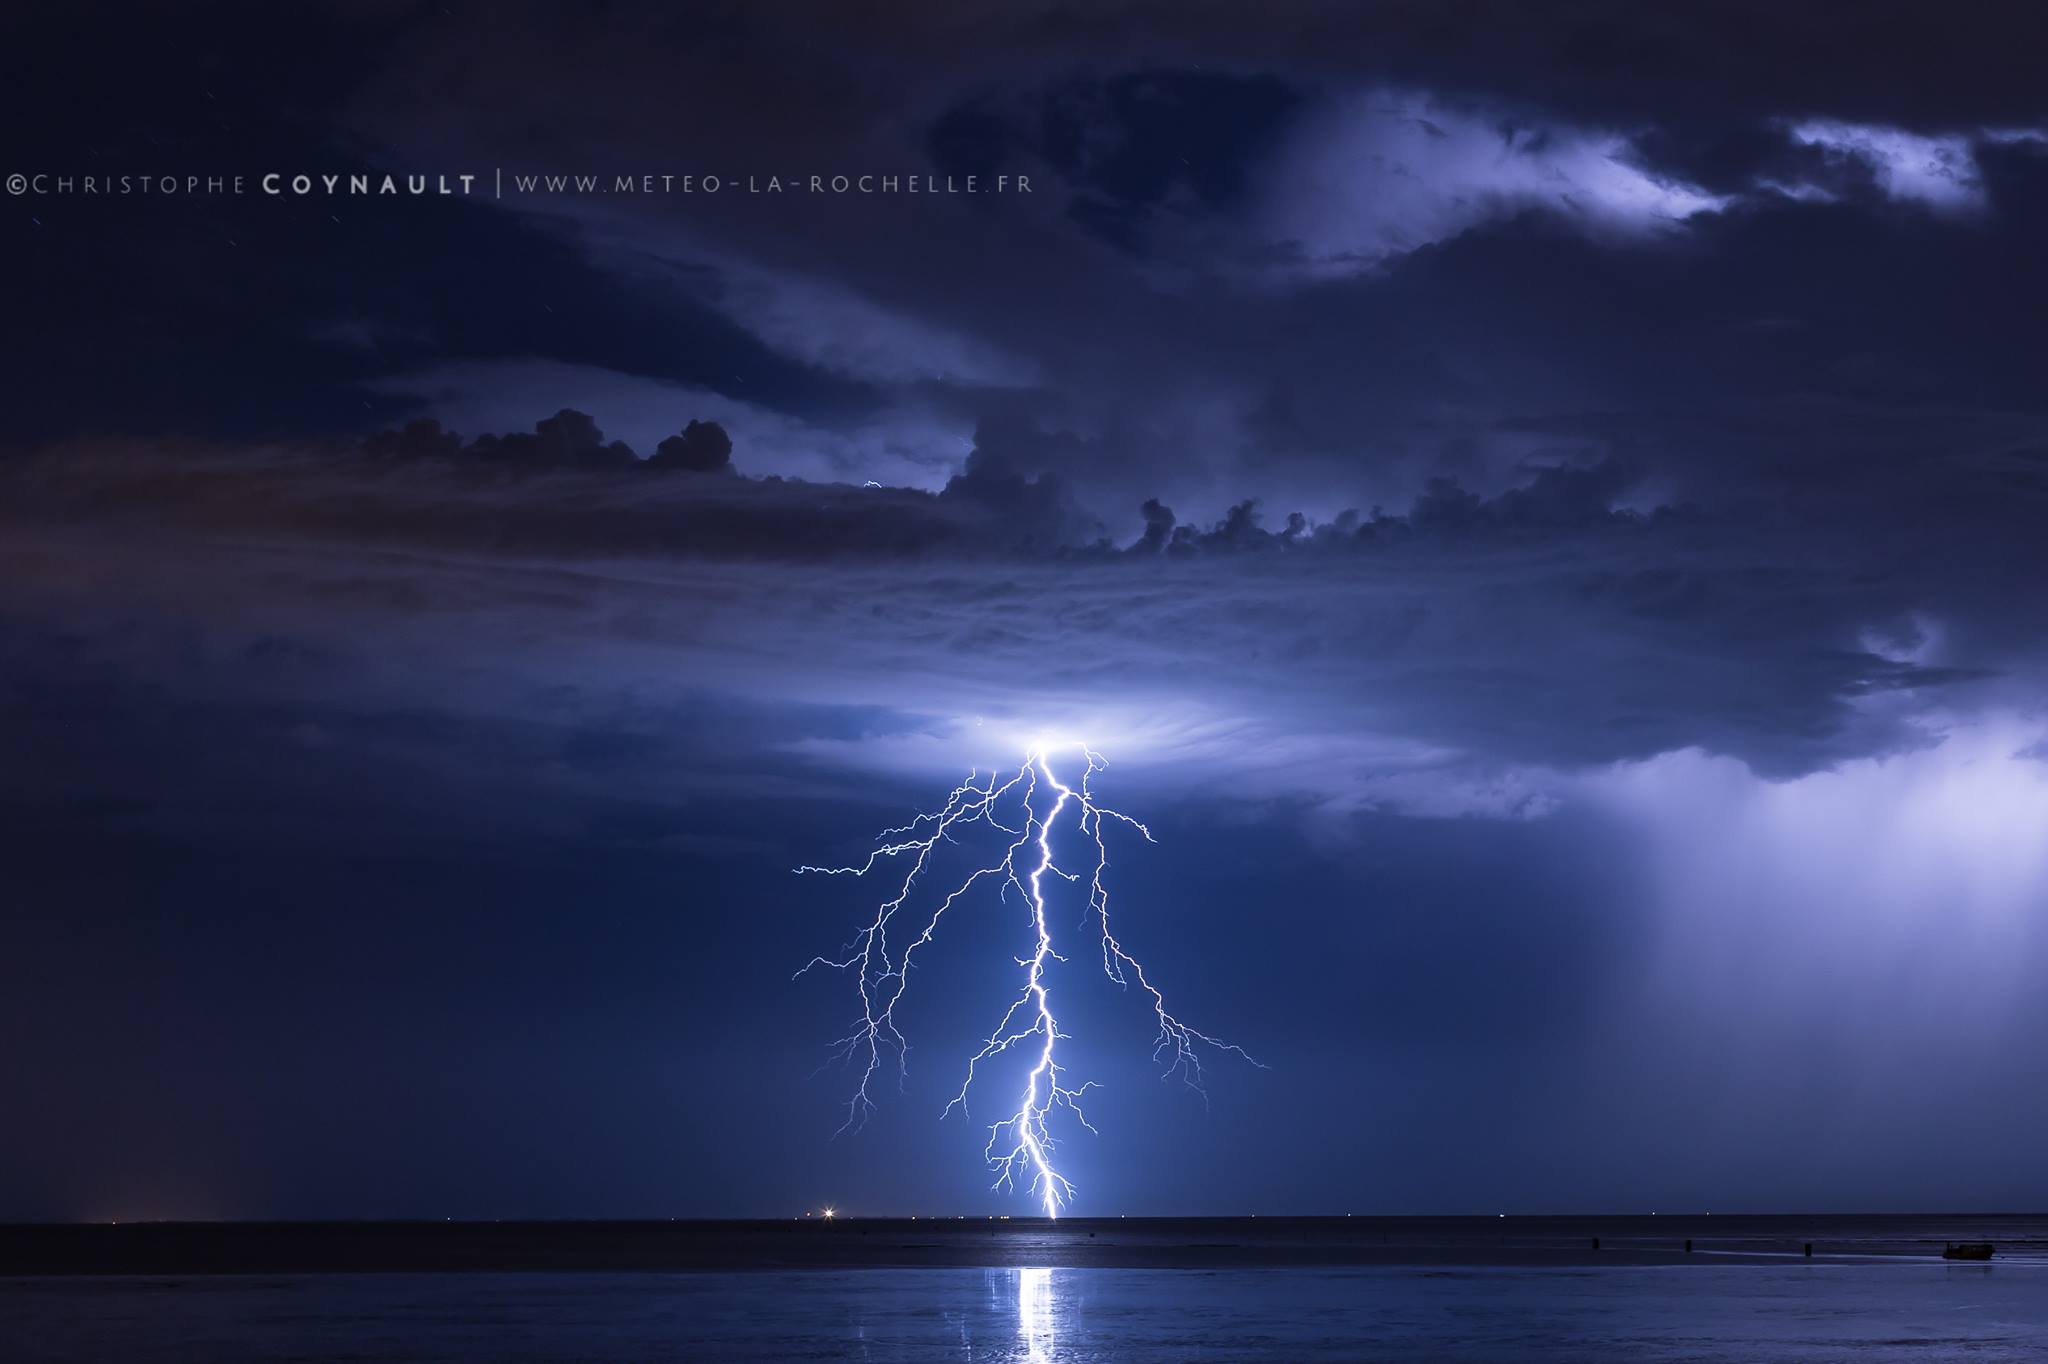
point(1389, 172)
point(1939, 171)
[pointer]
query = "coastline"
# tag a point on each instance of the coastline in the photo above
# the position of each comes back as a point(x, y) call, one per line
point(221, 1248)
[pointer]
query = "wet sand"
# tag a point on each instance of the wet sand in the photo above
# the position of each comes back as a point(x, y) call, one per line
point(928, 1243)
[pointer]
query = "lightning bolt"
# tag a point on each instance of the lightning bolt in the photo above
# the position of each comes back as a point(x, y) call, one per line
point(1024, 807)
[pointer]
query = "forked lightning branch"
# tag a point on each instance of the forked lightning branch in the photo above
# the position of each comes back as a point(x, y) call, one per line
point(1026, 812)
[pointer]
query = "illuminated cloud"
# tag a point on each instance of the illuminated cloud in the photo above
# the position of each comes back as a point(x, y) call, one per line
point(1938, 170)
point(1448, 661)
point(1388, 172)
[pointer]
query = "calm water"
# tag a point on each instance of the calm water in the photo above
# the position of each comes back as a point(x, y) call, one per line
point(1879, 1311)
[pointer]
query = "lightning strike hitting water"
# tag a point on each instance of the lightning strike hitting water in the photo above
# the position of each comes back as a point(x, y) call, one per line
point(1035, 799)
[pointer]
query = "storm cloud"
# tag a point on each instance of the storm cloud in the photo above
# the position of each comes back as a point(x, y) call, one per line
point(1542, 504)
point(1549, 628)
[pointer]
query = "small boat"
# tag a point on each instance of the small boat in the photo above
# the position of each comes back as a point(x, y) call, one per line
point(1967, 1250)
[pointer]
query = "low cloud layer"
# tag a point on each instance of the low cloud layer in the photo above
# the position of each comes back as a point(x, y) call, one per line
point(1462, 653)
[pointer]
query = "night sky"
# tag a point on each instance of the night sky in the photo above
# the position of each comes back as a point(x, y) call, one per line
point(1541, 507)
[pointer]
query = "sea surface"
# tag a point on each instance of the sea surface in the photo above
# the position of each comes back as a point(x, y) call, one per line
point(1894, 1307)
